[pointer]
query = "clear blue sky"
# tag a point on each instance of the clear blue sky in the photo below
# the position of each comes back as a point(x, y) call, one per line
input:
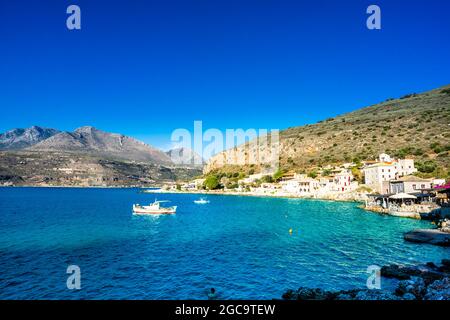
point(145, 68)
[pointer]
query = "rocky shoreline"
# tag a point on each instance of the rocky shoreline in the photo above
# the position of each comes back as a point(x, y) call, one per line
point(430, 236)
point(422, 282)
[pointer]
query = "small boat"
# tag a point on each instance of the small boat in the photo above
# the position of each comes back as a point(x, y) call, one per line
point(201, 201)
point(154, 208)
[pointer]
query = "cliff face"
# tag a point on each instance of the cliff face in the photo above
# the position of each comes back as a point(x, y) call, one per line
point(416, 125)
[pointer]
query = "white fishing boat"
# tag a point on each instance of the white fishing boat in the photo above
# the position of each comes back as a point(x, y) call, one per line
point(154, 208)
point(201, 201)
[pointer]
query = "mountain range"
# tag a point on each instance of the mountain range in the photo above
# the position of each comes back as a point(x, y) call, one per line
point(104, 144)
point(115, 158)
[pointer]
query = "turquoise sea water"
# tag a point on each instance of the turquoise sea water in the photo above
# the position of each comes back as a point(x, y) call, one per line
point(239, 245)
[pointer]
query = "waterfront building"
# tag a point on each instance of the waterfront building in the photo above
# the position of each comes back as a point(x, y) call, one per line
point(300, 184)
point(377, 175)
point(193, 185)
point(410, 184)
point(343, 182)
point(404, 167)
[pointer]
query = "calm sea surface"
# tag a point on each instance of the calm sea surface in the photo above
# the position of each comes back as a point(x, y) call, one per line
point(239, 245)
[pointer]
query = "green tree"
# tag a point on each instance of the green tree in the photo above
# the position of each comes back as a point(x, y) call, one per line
point(427, 166)
point(312, 174)
point(212, 182)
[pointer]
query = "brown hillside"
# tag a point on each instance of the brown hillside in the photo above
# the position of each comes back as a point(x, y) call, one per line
point(416, 125)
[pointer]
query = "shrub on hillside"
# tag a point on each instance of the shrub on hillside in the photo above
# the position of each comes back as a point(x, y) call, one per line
point(312, 174)
point(278, 175)
point(427, 166)
point(267, 179)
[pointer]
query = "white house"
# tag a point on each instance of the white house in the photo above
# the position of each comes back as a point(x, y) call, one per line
point(343, 182)
point(300, 185)
point(307, 186)
point(404, 167)
point(378, 175)
point(384, 157)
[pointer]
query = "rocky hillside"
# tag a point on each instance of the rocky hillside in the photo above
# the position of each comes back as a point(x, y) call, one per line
point(16, 139)
point(415, 125)
point(72, 169)
point(89, 140)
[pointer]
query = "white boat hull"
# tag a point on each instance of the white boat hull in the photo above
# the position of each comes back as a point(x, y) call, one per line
point(144, 210)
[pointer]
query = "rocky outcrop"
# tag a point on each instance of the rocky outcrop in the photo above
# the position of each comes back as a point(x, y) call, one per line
point(438, 290)
point(430, 236)
point(424, 282)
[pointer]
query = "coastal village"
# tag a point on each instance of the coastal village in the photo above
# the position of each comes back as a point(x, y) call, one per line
point(386, 185)
point(385, 181)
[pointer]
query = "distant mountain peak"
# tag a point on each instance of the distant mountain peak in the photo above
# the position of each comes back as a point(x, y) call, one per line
point(20, 138)
point(87, 129)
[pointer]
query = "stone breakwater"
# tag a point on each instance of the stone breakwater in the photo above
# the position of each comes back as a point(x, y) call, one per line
point(423, 282)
